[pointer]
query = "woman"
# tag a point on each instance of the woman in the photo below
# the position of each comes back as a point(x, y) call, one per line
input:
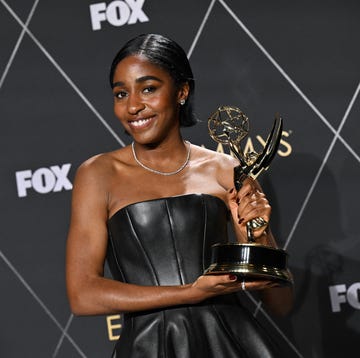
point(153, 209)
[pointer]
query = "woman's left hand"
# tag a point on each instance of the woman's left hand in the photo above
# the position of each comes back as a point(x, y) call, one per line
point(247, 204)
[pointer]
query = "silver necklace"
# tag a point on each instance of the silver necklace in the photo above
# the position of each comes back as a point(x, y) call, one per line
point(158, 171)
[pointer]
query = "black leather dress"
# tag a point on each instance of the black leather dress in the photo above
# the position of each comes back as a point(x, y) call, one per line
point(167, 242)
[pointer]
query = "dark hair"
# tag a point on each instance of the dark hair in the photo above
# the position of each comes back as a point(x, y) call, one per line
point(168, 55)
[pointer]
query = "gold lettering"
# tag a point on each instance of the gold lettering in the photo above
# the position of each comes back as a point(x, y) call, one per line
point(285, 148)
point(111, 327)
point(285, 144)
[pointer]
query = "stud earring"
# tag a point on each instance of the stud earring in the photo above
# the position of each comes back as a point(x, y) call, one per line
point(182, 102)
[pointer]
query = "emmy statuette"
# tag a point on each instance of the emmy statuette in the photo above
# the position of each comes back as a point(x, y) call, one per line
point(249, 261)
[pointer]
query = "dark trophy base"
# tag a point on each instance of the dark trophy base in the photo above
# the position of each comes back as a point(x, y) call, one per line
point(250, 262)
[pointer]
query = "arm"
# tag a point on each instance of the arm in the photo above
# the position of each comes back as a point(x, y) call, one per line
point(89, 292)
point(250, 202)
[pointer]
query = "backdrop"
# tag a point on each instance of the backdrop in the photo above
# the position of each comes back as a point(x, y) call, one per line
point(298, 58)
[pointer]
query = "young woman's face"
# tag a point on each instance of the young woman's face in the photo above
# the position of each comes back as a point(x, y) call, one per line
point(146, 100)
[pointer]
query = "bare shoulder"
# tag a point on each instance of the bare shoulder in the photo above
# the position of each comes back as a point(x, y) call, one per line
point(220, 160)
point(100, 167)
point(93, 185)
point(102, 163)
point(216, 165)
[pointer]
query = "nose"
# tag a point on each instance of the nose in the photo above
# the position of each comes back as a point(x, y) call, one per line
point(135, 104)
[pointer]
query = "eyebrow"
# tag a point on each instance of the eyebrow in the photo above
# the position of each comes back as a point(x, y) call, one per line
point(138, 80)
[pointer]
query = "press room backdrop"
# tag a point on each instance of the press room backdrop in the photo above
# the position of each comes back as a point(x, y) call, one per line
point(299, 58)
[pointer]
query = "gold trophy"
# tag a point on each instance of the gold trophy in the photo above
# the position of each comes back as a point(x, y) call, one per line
point(249, 261)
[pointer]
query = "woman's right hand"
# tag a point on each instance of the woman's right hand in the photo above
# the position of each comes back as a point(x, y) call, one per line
point(207, 286)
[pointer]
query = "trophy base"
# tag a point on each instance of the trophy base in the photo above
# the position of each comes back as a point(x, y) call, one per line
point(250, 262)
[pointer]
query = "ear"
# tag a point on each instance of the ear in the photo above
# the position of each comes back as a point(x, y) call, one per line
point(183, 92)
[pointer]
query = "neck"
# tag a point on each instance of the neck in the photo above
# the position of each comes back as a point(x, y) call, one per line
point(162, 159)
point(162, 150)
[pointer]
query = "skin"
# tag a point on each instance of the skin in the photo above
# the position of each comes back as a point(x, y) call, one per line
point(146, 102)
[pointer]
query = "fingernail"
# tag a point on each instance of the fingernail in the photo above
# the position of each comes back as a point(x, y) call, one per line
point(233, 277)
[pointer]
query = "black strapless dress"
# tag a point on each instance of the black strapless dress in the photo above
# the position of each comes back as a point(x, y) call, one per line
point(167, 242)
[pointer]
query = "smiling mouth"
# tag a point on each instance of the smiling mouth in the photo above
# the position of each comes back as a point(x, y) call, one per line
point(140, 122)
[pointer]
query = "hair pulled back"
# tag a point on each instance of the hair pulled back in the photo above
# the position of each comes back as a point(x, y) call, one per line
point(168, 55)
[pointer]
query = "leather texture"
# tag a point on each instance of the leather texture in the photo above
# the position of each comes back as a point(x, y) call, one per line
point(167, 242)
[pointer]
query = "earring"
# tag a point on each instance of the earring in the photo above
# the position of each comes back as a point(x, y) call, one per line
point(182, 102)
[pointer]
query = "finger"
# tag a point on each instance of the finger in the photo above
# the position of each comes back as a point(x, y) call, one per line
point(260, 285)
point(231, 193)
point(244, 201)
point(249, 194)
point(231, 199)
point(247, 189)
point(231, 196)
point(257, 210)
point(248, 185)
point(226, 278)
point(254, 206)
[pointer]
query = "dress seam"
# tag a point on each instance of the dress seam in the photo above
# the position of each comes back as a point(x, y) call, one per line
point(137, 238)
point(174, 243)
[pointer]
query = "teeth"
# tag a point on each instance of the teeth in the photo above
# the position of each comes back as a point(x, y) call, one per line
point(139, 122)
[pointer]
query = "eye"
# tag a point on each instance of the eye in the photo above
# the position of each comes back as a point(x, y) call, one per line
point(149, 89)
point(120, 94)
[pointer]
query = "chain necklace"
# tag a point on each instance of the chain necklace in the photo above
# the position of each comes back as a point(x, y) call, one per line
point(158, 171)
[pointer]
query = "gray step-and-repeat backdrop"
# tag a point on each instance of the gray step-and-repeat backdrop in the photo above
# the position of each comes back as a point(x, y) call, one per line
point(299, 58)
